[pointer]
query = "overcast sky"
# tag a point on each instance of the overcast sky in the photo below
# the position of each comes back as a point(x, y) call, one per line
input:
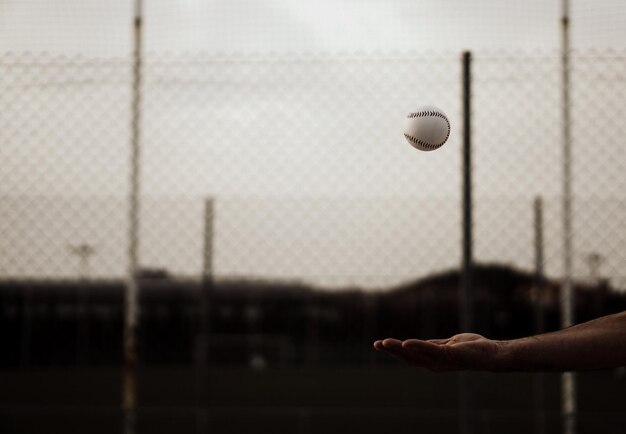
point(102, 28)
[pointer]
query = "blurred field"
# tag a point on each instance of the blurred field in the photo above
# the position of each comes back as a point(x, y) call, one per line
point(304, 400)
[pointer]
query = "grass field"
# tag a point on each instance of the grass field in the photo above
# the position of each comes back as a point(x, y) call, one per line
point(305, 400)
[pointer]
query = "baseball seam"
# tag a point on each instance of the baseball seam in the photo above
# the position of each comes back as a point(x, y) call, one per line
point(420, 142)
point(423, 114)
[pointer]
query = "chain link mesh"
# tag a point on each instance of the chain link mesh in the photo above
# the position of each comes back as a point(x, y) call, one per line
point(64, 134)
point(303, 154)
point(312, 182)
point(305, 159)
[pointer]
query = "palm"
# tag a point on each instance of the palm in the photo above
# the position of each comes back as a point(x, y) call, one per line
point(466, 351)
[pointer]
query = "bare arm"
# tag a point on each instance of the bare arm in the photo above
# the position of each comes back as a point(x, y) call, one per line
point(596, 344)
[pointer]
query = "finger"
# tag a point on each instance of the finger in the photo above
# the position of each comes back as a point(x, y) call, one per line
point(409, 355)
point(394, 348)
point(391, 343)
point(415, 358)
point(453, 357)
point(401, 355)
point(379, 345)
point(438, 356)
point(439, 341)
point(420, 359)
point(426, 348)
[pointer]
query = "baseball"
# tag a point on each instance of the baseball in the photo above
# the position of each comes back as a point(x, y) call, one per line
point(427, 128)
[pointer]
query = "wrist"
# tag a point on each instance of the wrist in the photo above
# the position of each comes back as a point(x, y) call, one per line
point(505, 359)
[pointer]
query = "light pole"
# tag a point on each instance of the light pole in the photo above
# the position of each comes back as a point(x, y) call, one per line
point(129, 393)
point(84, 252)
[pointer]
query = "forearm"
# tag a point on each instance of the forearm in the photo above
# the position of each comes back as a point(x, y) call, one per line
point(597, 344)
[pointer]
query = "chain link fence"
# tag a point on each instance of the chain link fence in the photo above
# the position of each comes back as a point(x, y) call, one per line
point(304, 157)
point(519, 156)
point(314, 188)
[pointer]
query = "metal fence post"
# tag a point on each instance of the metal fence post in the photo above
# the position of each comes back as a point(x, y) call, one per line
point(204, 319)
point(467, 405)
point(129, 398)
point(538, 377)
point(568, 380)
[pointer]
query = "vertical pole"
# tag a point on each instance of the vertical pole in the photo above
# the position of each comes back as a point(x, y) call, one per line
point(27, 324)
point(129, 395)
point(538, 378)
point(370, 323)
point(83, 252)
point(539, 279)
point(466, 299)
point(568, 380)
point(467, 404)
point(203, 335)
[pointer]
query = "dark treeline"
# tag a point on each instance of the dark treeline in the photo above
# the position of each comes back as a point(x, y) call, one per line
point(263, 323)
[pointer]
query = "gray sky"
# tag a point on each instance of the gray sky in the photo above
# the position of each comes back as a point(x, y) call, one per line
point(100, 28)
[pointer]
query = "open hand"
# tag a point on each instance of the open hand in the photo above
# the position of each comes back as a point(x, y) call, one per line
point(466, 351)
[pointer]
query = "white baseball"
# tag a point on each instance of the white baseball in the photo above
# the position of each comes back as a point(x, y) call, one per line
point(427, 128)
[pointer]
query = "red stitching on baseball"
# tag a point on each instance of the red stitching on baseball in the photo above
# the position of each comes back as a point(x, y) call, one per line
point(420, 142)
point(428, 113)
